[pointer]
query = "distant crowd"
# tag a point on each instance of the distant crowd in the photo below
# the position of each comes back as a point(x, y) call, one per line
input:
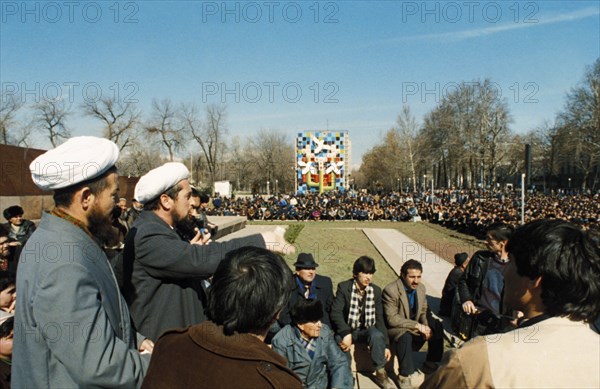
point(470, 212)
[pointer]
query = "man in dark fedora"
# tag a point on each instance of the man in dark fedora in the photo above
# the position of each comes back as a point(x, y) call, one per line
point(308, 284)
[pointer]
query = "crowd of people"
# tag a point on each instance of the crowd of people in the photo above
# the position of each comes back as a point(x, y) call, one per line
point(469, 212)
point(111, 296)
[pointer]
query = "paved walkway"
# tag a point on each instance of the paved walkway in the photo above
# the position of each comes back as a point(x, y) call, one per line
point(395, 248)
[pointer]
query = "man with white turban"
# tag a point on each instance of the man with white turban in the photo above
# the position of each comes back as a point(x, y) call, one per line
point(73, 327)
point(162, 273)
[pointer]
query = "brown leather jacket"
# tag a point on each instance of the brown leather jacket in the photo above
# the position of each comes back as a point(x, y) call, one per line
point(201, 356)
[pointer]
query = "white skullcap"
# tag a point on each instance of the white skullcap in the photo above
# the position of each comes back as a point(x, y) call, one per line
point(157, 181)
point(79, 159)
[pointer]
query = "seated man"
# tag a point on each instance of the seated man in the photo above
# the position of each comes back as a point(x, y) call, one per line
point(553, 277)
point(309, 284)
point(357, 317)
point(311, 350)
point(249, 289)
point(461, 260)
point(410, 323)
point(19, 229)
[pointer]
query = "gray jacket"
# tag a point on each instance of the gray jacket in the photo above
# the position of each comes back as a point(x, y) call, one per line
point(313, 372)
point(72, 327)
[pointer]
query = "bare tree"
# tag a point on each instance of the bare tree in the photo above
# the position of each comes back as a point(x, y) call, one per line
point(138, 160)
point(119, 120)
point(50, 118)
point(208, 134)
point(408, 129)
point(9, 105)
point(165, 125)
point(270, 154)
point(579, 124)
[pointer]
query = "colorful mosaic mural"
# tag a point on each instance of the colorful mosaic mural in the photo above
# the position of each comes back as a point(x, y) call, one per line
point(321, 160)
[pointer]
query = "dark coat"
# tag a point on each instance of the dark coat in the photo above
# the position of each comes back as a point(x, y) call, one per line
point(449, 291)
point(341, 308)
point(161, 274)
point(324, 293)
point(202, 356)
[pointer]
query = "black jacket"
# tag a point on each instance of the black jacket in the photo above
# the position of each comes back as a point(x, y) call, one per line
point(324, 293)
point(341, 308)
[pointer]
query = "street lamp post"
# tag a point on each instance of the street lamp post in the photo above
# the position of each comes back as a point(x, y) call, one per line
point(268, 191)
point(276, 186)
point(569, 182)
point(398, 180)
point(424, 182)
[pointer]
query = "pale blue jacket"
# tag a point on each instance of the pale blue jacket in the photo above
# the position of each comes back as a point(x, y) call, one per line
point(313, 372)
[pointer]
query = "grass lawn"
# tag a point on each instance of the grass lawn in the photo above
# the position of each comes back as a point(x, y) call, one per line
point(336, 245)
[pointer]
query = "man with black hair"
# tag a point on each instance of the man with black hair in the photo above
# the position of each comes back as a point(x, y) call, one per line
point(250, 287)
point(554, 279)
point(6, 348)
point(9, 252)
point(8, 294)
point(310, 348)
point(72, 327)
point(357, 317)
point(481, 286)
point(19, 229)
point(410, 324)
point(162, 273)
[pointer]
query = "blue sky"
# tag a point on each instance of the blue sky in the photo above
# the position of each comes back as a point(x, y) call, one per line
point(299, 65)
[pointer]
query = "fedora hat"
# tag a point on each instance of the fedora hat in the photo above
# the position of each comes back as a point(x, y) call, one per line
point(305, 261)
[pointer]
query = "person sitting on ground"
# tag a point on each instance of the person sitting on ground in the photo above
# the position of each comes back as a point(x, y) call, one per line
point(250, 287)
point(554, 279)
point(8, 294)
point(310, 348)
point(6, 347)
point(461, 260)
point(19, 229)
point(410, 324)
point(357, 317)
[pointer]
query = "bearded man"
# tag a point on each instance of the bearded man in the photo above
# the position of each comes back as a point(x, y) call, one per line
point(73, 327)
point(163, 273)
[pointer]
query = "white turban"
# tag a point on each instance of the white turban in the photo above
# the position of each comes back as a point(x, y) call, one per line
point(157, 181)
point(79, 159)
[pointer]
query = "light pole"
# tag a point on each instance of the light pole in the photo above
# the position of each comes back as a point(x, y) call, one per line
point(268, 191)
point(569, 182)
point(424, 182)
point(398, 180)
point(276, 186)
